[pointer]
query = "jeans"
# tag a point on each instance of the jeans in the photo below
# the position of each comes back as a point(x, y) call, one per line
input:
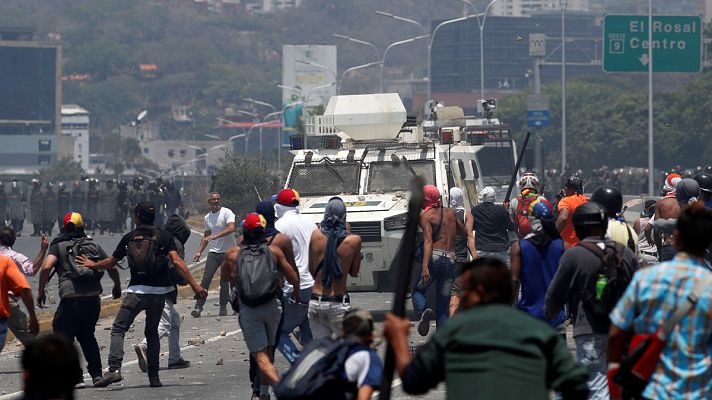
point(502, 255)
point(591, 352)
point(212, 265)
point(132, 305)
point(442, 273)
point(76, 317)
point(327, 317)
point(3, 332)
point(169, 325)
point(295, 315)
point(17, 323)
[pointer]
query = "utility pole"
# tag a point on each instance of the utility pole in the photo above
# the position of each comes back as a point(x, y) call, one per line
point(651, 173)
point(563, 85)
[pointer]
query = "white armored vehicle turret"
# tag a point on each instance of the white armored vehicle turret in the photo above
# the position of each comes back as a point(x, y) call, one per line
point(368, 153)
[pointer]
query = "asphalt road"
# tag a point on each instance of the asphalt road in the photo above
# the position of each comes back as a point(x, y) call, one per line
point(207, 378)
point(30, 245)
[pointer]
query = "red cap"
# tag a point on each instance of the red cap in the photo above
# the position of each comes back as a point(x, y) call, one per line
point(288, 197)
point(254, 221)
point(74, 218)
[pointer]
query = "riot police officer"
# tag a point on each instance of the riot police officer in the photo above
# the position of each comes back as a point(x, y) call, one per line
point(107, 207)
point(79, 201)
point(93, 193)
point(36, 199)
point(49, 209)
point(16, 207)
point(157, 197)
point(63, 204)
point(136, 195)
point(122, 199)
point(3, 205)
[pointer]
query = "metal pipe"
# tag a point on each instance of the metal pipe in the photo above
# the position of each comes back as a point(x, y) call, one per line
point(650, 101)
point(563, 85)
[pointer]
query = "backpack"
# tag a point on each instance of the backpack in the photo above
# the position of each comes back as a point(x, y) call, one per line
point(141, 253)
point(524, 227)
point(611, 282)
point(257, 279)
point(82, 246)
point(319, 372)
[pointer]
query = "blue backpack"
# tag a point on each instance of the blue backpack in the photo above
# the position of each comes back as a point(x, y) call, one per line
point(319, 372)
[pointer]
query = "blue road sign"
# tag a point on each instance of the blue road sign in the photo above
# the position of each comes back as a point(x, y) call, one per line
point(538, 119)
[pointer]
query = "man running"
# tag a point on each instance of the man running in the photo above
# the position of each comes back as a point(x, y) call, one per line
point(18, 319)
point(298, 228)
point(80, 302)
point(573, 198)
point(618, 230)
point(439, 227)
point(147, 289)
point(220, 234)
point(259, 317)
point(334, 254)
point(12, 280)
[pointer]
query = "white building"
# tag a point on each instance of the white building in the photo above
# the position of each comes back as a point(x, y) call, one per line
point(75, 123)
point(519, 8)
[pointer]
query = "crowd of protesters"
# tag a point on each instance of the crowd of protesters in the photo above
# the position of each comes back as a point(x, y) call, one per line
point(507, 278)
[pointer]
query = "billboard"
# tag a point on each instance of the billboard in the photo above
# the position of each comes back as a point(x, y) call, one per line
point(29, 85)
point(307, 71)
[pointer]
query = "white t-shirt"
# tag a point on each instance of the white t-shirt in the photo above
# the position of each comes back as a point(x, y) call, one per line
point(216, 223)
point(298, 228)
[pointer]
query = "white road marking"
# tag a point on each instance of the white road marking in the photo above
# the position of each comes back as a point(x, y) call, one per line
point(18, 395)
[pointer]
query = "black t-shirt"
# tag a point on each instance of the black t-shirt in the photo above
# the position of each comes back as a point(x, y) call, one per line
point(492, 224)
point(67, 287)
point(165, 245)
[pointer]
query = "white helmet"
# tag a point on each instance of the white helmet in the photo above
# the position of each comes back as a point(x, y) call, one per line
point(529, 181)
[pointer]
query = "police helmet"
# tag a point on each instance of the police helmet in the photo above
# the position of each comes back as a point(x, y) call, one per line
point(610, 198)
point(704, 179)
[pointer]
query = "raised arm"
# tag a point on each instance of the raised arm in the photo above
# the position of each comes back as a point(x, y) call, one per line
point(37, 263)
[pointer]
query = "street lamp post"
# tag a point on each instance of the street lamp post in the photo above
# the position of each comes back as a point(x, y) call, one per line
point(351, 39)
point(346, 71)
point(432, 36)
point(390, 46)
point(481, 25)
point(320, 66)
point(563, 85)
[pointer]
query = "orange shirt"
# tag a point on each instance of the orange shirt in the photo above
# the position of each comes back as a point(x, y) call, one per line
point(11, 279)
point(568, 234)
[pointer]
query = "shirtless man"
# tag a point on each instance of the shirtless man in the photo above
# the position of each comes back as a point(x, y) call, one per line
point(665, 208)
point(333, 253)
point(439, 227)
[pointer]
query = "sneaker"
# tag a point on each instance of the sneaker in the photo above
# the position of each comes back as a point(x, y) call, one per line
point(424, 324)
point(95, 379)
point(255, 396)
point(80, 385)
point(196, 312)
point(142, 357)
point(180, 364)
point(109, 378)
point(223, 311)
point(153, 381)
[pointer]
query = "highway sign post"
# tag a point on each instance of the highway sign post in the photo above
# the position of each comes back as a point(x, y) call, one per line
point(676, 43)
point(537, 111)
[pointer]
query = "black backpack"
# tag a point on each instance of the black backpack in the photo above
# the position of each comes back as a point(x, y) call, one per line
point(257, 279)
point(610, 284)
point(141, 253)
point(319, 372)
point(82, 246)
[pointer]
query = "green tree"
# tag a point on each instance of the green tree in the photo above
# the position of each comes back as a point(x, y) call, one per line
point(66, 169)
point(240, 179)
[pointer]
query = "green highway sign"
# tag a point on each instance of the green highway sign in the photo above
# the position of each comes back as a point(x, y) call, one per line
point(677, 43)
